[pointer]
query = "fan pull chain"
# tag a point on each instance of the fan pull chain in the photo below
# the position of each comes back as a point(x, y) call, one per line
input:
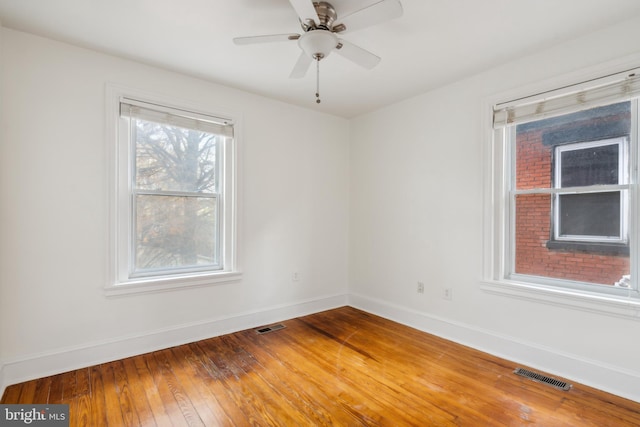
point(317, 80)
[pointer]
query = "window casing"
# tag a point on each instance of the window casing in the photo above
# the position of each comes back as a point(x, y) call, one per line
point(551, 208)
point(175, 195)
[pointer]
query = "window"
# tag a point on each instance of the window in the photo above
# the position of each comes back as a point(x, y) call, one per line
point(591, 215)
point(562, 215)
point(175, 201)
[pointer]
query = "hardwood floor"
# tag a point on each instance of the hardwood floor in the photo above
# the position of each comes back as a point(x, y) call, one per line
point(342, 367)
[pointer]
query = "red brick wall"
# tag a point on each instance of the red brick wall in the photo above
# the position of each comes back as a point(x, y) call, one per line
point(533, 224)
point(533, 161)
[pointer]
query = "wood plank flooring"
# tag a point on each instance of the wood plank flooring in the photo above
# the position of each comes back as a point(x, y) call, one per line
point(342, 367)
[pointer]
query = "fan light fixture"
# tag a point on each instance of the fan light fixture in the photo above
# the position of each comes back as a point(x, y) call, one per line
point(321, 27)
point(318, 44)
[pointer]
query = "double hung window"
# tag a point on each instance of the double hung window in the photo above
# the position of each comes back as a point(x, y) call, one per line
point(175, 197)
point(564, 187)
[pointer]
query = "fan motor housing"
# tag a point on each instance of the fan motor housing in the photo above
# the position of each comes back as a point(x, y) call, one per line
point(326, 16)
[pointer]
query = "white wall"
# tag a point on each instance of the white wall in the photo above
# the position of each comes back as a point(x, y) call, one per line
point(3, 179)
point(417, 215)
point(54, 206)
point(368, 207)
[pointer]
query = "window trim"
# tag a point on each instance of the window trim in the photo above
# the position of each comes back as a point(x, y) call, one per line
point(496, 175)
point(120, 221)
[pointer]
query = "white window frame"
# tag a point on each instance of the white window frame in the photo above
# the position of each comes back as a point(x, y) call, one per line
point(497, 278)
point(122, 280)
point(623, 171)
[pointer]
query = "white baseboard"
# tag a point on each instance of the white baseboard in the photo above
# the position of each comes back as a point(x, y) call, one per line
point(576, 368)
point(67, 359)
point(592, 373)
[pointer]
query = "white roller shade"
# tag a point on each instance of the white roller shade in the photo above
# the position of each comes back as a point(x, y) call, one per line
point(615, 88)
point(175, 117)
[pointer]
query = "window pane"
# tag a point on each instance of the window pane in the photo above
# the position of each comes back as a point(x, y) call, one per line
point(536, 141)
point(590, 166)
point(533, 257)
point(533, 159)
point(171, 158)
point(590, 214)
point(175, 232)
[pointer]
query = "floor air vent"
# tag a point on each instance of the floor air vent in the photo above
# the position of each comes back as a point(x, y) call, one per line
point(560, 385)
point(271, 328)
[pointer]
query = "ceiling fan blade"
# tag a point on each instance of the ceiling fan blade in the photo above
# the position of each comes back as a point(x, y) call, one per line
point(373, 14)
point(360, 56)
point(301, 67)
point(305, 10)
point(266, 39)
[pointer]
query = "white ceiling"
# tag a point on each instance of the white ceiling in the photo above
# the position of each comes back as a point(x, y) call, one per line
point(433, 43)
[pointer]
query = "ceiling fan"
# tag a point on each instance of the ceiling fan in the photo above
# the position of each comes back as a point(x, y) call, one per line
point(321, 26)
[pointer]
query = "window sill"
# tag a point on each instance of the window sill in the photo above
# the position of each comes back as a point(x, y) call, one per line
point(627, 306)
point(589, 247)
point(150, 285)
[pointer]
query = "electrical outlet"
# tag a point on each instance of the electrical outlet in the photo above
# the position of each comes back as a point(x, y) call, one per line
point(447, 294)
point(420, 288)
